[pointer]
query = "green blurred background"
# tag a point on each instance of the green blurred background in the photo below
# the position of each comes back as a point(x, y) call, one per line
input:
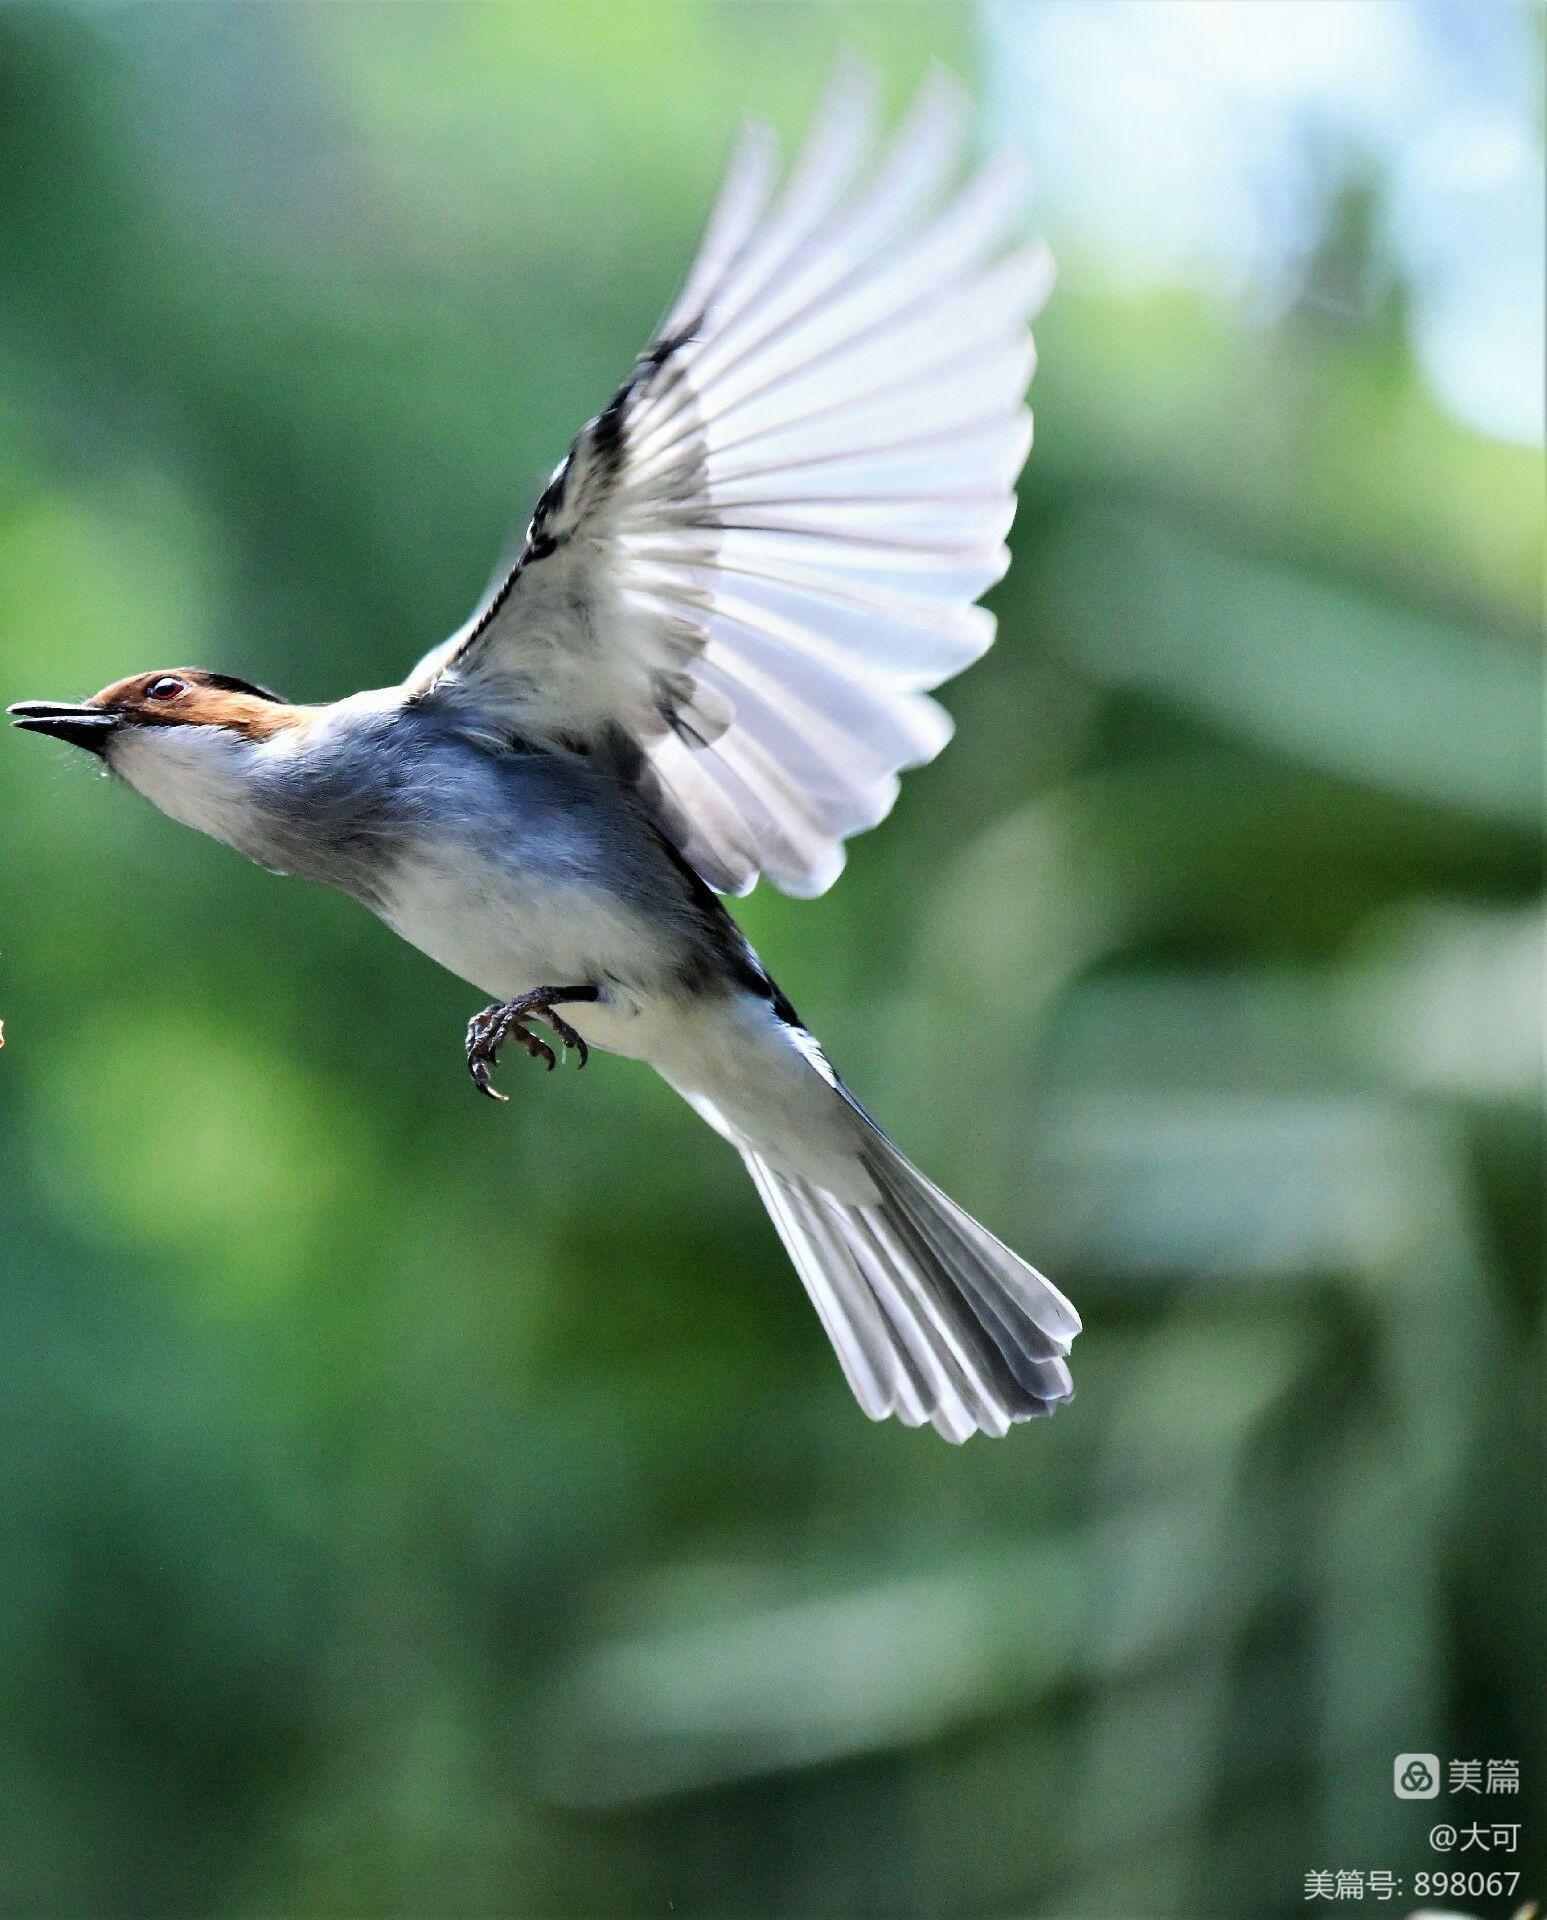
point(413, 1507)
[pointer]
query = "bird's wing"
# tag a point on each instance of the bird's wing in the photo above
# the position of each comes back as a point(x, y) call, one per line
point(759, 556)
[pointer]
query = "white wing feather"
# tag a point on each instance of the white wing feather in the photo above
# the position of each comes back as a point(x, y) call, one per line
point(757, 559)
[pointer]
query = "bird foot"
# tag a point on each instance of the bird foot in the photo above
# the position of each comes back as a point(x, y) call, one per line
point(488, 1031)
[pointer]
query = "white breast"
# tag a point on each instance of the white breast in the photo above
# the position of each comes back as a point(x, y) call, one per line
point(508, 928)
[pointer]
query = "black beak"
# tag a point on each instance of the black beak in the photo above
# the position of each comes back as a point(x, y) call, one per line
point(83, 726)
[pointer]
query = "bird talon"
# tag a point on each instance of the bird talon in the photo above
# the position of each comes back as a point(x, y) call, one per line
point(488, 1031)
point(568, 1035)
point(479, 1060)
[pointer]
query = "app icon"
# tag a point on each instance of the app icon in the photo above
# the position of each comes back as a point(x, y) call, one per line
point(1415, 1776)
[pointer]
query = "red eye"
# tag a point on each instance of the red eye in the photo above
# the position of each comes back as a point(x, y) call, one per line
point(166, 687)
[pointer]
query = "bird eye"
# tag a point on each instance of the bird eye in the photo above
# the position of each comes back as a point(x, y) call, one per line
point(166, 687)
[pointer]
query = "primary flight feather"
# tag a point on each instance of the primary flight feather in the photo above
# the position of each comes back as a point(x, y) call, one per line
point(755, 560)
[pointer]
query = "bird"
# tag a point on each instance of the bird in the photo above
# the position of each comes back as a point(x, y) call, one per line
point(708, 661)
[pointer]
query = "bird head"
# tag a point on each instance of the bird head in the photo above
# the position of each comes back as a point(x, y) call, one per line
point(183, 737)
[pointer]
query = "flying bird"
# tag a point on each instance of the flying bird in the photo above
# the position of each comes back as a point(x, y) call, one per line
point(709, 661)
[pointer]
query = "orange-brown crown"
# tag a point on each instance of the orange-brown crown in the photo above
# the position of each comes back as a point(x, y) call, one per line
point(189, 696)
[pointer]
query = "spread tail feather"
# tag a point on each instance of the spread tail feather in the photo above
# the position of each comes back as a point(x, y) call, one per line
point(931, 1317)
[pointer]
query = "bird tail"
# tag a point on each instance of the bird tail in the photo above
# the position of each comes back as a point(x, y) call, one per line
point(931, 1317)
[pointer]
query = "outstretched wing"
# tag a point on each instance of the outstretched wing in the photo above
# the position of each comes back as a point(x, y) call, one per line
point(760, 555)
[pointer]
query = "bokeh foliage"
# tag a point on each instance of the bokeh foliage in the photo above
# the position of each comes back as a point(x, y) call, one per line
point(414, 1507)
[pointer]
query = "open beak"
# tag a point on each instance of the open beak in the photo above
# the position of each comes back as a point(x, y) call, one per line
point(82, 726)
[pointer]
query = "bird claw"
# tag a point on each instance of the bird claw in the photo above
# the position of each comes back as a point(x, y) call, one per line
point(480, 1072)
point(488, 1031)
point(568, 1035)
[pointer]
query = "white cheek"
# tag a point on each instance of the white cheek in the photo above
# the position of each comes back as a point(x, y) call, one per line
point(192, 774)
